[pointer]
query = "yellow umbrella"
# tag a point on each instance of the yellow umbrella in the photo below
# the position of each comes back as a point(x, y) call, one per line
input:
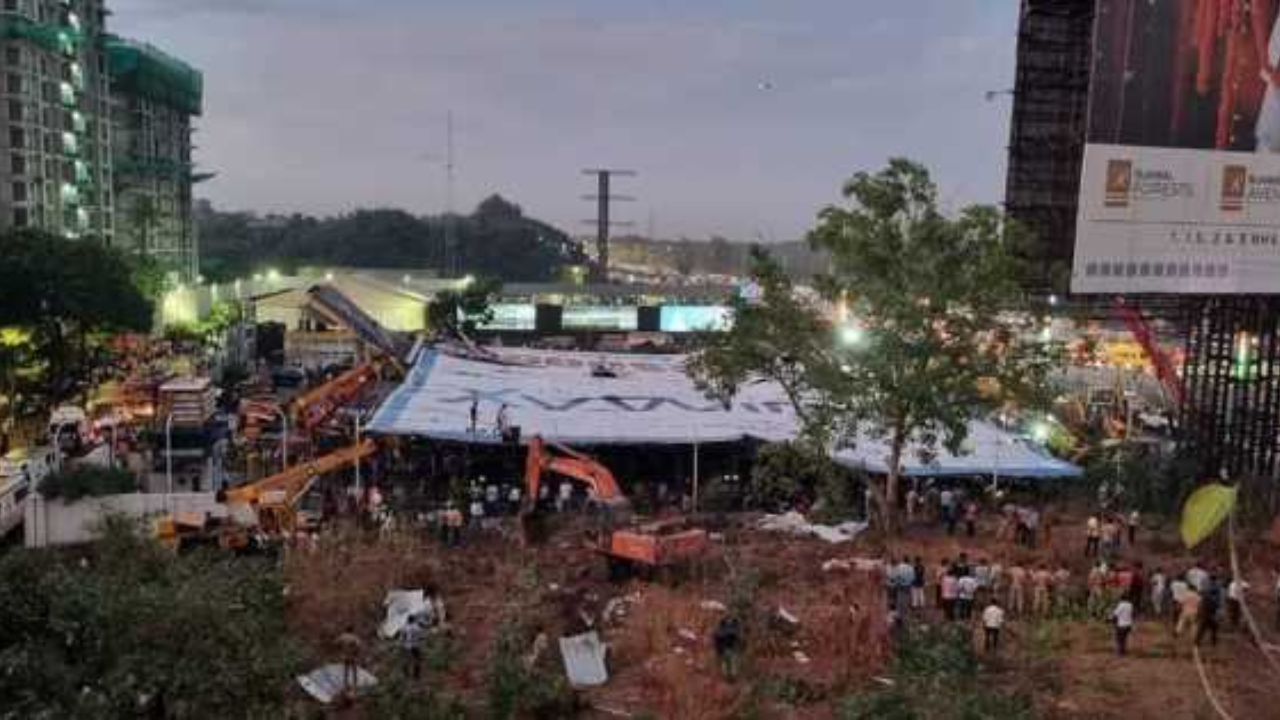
point(1204, 512)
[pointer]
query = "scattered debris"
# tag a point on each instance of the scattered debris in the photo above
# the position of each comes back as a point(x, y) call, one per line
point(795, 524)
point(687, 634)
point(540, 645)
point(584, 660)
point(401, 605)
point(800, 657)
point(887, 682)
point(713, 606)
point(786, 616)
point(835, 564)
point(326, 683)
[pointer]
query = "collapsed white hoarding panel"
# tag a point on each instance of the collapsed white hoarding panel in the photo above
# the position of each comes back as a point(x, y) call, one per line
point(987, 450)
point(649, 399)
point(563, 397)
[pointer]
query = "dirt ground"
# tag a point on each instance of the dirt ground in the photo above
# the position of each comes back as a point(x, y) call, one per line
point(661, 661)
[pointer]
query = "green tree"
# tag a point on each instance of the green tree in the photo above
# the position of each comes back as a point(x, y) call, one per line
point(135, 631)
point(65, 292)
point(929, 345)
point(465, 308)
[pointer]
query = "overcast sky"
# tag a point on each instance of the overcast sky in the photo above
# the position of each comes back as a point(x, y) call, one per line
point(742, 117)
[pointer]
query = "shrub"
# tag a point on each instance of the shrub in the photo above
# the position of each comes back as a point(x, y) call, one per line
point(88, 481)
point(515, 690)
point(936, 678)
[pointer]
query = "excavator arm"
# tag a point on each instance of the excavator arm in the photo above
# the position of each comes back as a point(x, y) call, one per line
point(571, 464)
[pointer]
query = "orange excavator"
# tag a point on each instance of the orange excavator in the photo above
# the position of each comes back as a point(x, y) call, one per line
point(266, 507)
point(624, 544)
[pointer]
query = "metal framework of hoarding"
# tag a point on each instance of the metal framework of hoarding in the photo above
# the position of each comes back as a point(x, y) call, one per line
point(1230, 419)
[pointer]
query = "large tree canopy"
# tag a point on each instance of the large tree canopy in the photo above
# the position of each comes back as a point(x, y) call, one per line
point(931, 338)
point(45, 278)
point(56, 295)
point(496, 240)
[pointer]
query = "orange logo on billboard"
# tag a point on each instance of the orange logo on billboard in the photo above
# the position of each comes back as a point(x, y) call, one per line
point(1235, 181)
point(1119, 180)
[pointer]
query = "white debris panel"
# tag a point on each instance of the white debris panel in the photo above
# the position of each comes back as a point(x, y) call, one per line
point(584, 657)
point(326, 683)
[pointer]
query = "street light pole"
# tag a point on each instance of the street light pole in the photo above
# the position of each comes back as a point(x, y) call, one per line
point(168, 461)
point(358, 483)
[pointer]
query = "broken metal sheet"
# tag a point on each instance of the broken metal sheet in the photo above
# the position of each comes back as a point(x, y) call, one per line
point(584, 660)
point(401, 605)
point(325, 683)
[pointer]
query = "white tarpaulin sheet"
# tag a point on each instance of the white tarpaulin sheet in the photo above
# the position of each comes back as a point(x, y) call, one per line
point(987, 450)
point(794, 523)
point(556, 395)
point(650, 400)
point(326, 683)
point(584, 660)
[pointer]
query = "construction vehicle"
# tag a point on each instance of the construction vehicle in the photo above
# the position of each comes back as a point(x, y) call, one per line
point(313, 408)
point(266, 508)
point(625, 545)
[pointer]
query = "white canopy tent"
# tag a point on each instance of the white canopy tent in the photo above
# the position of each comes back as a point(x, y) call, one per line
point(644, 399)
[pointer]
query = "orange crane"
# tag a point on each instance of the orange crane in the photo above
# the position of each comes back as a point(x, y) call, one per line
point(274, 499)
point(311, 409)
point(268, 506)
point(652, 545)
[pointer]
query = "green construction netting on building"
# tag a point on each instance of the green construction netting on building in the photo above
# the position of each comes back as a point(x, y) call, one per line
point(50, 37)
point(142, 69)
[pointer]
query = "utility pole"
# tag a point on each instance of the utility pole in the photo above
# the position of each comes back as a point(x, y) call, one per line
point(604, 198)
point(450, 232)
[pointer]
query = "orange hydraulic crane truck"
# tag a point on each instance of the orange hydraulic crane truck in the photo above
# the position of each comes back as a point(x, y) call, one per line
point(267, 507)
point(625, 545)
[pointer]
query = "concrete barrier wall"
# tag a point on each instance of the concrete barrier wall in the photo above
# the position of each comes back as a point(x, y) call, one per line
point(49, 523)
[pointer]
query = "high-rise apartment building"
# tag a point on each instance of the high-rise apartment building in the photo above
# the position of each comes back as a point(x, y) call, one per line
point(95, 133)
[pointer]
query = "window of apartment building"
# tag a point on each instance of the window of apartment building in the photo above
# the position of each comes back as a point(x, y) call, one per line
point(15, 110)
point(20, 217)
point(11, 5)
point(18, 164)
point(15, 84)
point(17, 137)
point(13, 56)
point(19, 192)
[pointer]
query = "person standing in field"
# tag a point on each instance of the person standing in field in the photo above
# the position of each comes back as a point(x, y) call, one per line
point(1122, 616)
point(992, 622)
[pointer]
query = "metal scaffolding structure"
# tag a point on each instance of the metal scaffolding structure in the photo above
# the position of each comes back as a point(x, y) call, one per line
point(1047, 132)
point(1231, 419)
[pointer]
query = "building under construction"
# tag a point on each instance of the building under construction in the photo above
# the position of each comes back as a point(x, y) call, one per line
point(1230, 382)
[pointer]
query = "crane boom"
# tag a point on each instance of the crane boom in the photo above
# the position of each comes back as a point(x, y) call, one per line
point(314, 407)
point(274, 497)
point(1141, 331)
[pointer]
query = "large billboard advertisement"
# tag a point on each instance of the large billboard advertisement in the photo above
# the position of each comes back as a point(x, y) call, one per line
point(1180, 191)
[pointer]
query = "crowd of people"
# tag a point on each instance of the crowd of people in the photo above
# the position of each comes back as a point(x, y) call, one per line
point(1191, 602)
